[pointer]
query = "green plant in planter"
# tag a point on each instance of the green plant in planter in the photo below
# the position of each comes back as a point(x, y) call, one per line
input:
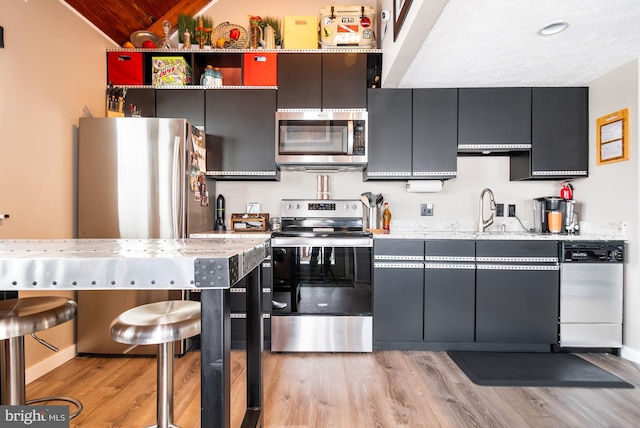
point(203, 26)
point(275, 24)
point(186, 22)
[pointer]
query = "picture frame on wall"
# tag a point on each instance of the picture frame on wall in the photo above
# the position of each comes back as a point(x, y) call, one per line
point(400, 10)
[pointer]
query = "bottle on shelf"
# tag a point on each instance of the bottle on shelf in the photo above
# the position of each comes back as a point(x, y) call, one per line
point(386, 218)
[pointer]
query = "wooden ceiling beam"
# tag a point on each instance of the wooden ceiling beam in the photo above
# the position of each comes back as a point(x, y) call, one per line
point(184, 7)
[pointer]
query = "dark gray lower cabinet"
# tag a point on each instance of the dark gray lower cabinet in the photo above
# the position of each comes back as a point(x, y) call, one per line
point(449, 291)
point(517, 288)
point(517, 306)
point(398, 301)
point(465, 294)
point(398, 292)
point(239, 309)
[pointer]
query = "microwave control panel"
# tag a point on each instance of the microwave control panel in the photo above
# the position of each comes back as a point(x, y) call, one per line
point(359, 139)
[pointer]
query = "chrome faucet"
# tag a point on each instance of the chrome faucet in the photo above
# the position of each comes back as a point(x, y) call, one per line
point(482, 223)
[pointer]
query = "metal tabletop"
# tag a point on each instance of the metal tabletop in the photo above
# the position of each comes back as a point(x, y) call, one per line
point(111, 264)
point(211, 265)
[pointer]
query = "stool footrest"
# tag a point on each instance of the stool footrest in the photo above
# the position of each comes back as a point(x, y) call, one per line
point(71, 400)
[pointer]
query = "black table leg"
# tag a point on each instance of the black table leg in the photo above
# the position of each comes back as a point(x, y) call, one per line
point(255, 346)
point(215, 343)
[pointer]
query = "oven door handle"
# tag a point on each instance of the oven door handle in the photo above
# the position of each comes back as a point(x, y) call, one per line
point(322, 242)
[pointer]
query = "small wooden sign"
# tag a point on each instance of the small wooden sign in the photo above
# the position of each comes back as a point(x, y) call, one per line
point(612, 137)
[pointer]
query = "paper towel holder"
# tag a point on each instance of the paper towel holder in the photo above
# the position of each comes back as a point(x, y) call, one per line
point(424, 186)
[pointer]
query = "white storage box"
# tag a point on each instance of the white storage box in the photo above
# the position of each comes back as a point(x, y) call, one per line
point(347, 27)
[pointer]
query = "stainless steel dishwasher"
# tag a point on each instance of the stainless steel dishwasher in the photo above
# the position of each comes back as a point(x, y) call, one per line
point(591, 293)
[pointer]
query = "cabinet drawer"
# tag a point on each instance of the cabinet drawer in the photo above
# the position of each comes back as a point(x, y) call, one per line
point(517, 249)
point(260, 69)
point(398, 249)
point(124, 68)
point(450, 250)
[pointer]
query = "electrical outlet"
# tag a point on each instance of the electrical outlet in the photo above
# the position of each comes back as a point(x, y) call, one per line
point(512, 210)
point(426, 209)
point(499, 210)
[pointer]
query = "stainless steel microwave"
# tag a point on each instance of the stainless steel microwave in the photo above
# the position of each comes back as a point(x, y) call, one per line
point(315, 138)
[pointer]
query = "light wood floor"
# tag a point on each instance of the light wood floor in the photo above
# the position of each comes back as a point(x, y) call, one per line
point(380, 389)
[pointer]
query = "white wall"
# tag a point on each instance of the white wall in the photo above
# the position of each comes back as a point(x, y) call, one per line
point(52, 66)
point(458, 199)
point(228, 11)
point(614, 188)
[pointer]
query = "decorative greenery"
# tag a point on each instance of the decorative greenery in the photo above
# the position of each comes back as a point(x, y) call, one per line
point(275, 24)
point(186, 22)
point(204, 27)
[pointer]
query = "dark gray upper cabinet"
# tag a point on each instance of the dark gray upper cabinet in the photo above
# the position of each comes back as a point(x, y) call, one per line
point(389, 126)
point(344, 80)
point(188, 104)
point(299, 81)
point(412, 133)
point(144, 99)
point(435, 133)
point(494, 119)
point(240, 127)
point(322, 81)
point(559, 134)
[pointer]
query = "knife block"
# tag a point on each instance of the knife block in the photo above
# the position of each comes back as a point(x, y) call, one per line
point(249, 222)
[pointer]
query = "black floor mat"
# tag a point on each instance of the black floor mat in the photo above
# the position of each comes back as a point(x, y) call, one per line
point(533, 369)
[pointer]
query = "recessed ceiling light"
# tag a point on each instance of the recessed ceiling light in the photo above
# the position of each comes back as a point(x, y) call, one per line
point(553, 28)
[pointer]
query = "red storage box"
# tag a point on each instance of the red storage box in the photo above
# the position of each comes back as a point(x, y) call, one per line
point(124, 68)
point(260, 69)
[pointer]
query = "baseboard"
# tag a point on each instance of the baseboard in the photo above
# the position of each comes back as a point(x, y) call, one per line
point(45, 366)
point(630, 354)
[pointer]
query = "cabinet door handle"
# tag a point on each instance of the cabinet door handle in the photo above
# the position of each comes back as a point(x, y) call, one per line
point(517, 267)
point(449, 266)
point(398, 265)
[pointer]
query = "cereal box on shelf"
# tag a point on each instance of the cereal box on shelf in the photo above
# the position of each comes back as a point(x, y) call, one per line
point(170, 71)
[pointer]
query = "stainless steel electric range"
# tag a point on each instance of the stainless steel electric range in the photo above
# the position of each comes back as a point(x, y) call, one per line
point(322, 270)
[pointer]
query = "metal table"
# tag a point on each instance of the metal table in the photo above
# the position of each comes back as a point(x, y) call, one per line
point(210, 265)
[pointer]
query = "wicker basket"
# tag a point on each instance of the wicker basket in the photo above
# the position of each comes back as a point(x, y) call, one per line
point(222, 31)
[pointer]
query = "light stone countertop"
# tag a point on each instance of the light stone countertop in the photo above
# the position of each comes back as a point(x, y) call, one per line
point(229, 234)
point(512, 231)
point(589, 231)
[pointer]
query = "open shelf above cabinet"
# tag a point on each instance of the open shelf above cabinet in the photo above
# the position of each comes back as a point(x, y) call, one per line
point(251, 68)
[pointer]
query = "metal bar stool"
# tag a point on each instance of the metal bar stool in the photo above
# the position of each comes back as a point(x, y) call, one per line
point(159, 323)
point(19, 317)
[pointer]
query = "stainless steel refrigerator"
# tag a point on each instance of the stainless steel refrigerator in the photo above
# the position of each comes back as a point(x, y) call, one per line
point(137, 178)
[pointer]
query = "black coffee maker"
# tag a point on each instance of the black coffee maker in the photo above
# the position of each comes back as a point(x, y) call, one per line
point(553, 214)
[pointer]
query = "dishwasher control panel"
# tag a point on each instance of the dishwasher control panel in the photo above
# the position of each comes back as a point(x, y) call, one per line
point(592, 252)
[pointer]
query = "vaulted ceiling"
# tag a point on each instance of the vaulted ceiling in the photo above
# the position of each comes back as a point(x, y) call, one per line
point(119, 18)
point(471, 43)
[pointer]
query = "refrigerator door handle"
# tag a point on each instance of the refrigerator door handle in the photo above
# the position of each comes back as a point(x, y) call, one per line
point(177, 203)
